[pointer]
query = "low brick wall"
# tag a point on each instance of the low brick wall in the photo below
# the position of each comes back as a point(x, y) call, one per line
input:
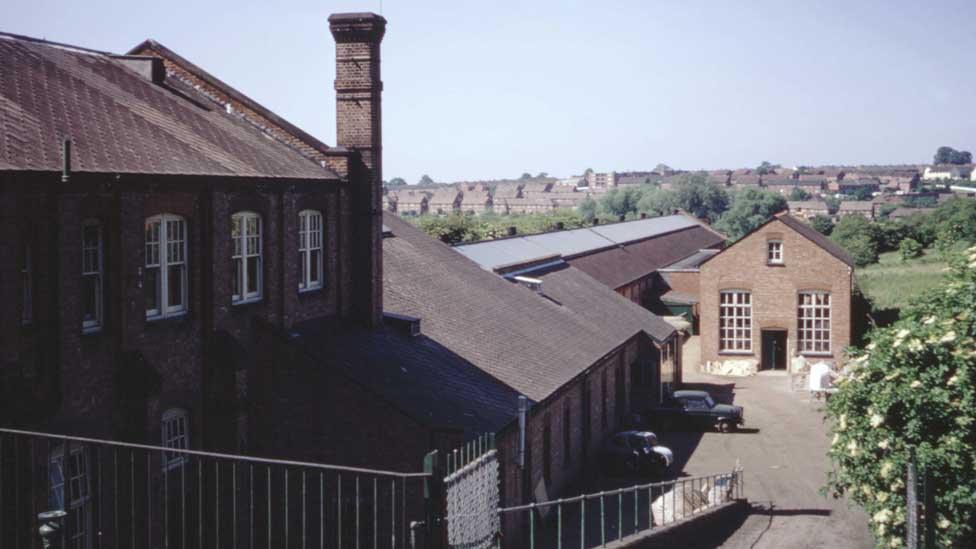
point(702, 530)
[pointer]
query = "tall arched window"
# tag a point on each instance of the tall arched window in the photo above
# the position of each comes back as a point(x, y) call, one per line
point(245, 232)
point(91, 275)
point(164, 280)
point(310, 250)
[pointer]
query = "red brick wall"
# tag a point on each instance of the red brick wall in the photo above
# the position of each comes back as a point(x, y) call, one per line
point(774, 289)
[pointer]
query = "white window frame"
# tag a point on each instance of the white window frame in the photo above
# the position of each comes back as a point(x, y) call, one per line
point(166, 251)
point(774, 252)
point(735, 322)
point(91, 267)
point(77, 502)
point(27, 286)
point(310, 239)
point(813, 322)
point(246, 245)
point(175, 431)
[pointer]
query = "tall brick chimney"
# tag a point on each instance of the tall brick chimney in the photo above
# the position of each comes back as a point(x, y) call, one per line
point(359, 128)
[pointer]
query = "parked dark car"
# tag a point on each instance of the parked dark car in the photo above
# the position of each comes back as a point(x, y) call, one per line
point(635, 452)
point(697, 410)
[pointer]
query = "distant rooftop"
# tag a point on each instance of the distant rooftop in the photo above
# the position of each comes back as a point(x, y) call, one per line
point(491, 254)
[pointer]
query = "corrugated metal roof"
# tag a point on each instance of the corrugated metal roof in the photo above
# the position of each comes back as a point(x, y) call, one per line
point(494, 253)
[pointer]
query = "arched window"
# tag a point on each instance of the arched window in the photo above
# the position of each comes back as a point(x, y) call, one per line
point(91, 276)
point(310, 250)
point(176, 434)
point(164, 280)
point(245, 232)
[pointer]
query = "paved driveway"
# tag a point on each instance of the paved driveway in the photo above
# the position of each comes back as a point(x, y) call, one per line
point(783, 451)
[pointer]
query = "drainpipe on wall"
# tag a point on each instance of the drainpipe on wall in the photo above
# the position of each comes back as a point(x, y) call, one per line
point(523, 408)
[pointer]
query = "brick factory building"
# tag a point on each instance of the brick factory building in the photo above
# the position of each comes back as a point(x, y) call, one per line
point(781, 292)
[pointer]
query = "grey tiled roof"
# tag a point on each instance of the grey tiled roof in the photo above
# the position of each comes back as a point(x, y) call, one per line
point(121, 122)
point(529, 343)
point(692, 261)
point(419, 376)
point(507, 251)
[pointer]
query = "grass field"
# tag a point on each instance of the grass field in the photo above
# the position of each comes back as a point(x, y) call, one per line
point(891, 283)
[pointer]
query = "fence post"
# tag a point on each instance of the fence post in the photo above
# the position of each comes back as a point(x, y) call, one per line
point(436, 533)
point(929, 497)
point(911, 515)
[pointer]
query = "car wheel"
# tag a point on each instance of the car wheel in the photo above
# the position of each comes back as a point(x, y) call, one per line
point(726, 426)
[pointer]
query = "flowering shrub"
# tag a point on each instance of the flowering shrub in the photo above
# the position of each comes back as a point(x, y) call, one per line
point(912, 389)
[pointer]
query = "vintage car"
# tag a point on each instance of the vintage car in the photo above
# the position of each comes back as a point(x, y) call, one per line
point(635, 452)
point(696, 410)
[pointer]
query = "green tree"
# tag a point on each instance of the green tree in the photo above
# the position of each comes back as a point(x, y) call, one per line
point(620, 201)
point(860, 237)
point(656, 201)
point(587, 209)
point(425, 180)
point(452, 229)
point(526, 175)
point(822, 224)
point(833, 204)
point(948, 155)
point(798, 194)
point(395, 182)
point(885, 210)
point(860, 193)
point(694, 194)
point(750, 209)
point(765, 168)
point(909, 248)
point(908, 396)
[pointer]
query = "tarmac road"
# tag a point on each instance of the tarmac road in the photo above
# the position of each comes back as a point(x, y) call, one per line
point(783, 452)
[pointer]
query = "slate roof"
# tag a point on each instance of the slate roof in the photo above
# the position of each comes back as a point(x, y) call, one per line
point(507, 251)
point(621, 265)
point(119, 121)
point(673, 297)
point(596, 303)
point(856, 206)
point(419, 376)
point(531, 344)
point(691, 262)
point(806, 205)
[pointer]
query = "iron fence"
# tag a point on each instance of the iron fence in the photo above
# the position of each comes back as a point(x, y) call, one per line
point(591, 520)
point(116, 494)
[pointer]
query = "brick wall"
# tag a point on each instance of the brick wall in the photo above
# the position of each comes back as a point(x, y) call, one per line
point(774, 289)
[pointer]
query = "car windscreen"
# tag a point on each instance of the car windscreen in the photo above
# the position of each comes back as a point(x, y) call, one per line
point(642, 441)
point(710, 402)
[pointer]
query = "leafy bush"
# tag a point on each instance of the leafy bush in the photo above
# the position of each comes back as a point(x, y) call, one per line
point(909, 248)
point(912, 392)
point(822, 224)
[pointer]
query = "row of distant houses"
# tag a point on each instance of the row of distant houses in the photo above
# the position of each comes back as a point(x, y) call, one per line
point(538, 195)
point(899, 205)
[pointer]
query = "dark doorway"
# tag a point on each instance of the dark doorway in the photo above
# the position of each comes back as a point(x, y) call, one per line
point(774, 349)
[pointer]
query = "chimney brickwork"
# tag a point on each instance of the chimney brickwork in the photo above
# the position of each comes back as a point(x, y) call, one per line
point(359, 128)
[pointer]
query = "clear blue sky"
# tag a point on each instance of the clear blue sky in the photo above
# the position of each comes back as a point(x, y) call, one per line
point(495, 88)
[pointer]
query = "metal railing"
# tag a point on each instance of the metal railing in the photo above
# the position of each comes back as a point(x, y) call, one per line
point(592, 520)
point(118, 494)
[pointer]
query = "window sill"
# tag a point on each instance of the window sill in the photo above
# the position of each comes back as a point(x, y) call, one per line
point(310, 290)
point(91, 331)
point(820, 353)
point(736, 353)
point(780, 264)
point(176, 319)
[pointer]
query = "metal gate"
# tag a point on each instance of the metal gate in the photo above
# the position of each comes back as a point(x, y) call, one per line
point(471, 494)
